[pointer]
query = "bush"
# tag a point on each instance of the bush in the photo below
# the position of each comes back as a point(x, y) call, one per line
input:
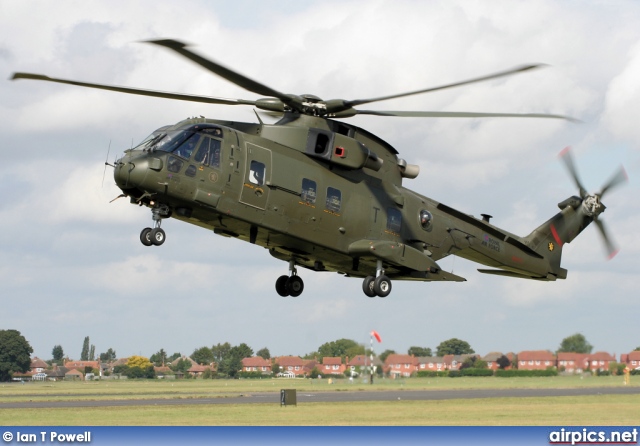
point(252, 375)
point(431, 374)
point(476, 372)
point(454, 374)
point(525, 373)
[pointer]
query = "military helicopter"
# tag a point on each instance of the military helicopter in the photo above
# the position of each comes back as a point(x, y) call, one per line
point(325, 195)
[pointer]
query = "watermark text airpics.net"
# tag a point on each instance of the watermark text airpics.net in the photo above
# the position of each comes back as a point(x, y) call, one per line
point(593, 436)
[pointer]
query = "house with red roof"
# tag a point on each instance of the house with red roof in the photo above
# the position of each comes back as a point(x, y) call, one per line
point(431, 364)
point(573, 362)
point(400, 365)
point(600, 361)
point(256, 364)
point(332, 365)
point(292, 364)
point(536, 360)
point(632, 360)
point(81, 365)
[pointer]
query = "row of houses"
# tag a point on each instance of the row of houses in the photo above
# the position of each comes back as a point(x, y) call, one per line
point(395, 365)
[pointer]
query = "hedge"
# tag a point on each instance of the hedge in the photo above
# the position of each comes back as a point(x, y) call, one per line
point(431, 374)
point(514, 373)
point(476, 372)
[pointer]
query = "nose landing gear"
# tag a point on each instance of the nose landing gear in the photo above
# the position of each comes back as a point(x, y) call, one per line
point(155, 236)
point(377, 286)
point(291, 285)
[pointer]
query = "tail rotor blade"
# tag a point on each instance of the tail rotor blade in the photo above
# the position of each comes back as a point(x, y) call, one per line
point(617, 179)
point(612, 250)
point(568, 161)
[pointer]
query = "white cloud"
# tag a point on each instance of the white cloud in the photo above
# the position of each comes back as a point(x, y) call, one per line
point(60, 235)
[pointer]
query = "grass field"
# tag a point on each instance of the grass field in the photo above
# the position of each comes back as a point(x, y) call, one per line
point(575, 410)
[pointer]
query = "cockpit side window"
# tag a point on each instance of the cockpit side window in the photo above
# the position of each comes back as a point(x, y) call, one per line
point(186, 149)
point(209, 152)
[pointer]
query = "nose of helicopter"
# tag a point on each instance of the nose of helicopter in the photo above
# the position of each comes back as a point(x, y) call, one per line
point(131, 172)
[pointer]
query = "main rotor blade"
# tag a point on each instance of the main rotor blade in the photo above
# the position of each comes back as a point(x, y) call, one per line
point(430, 114)
point(618, 178)
point(356, 102)
point(568, 161)
point(224, 72)
point(137, 91)
point(612, 250)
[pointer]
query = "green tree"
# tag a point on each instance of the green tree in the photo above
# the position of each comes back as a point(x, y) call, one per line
point(57, 353)
point(384, 354)
point(181, 365)
point(230, 366)
point(264, 353)
point(419, 351)
point(241, 351)
point(84, 355)
point(576, 343)
point(454, 346)
point(92, 353)
point(15, 354)
point(337, 348)
point(220, 352)
point(160, 357)
point(202, 355)
point(108, 356)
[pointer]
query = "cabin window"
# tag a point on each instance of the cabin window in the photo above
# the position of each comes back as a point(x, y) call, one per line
point(256, 175)
point(334, 199)
point(174, 164)
point(394, 220)
point(191, 171)
point(426, 219)
point(308, 193)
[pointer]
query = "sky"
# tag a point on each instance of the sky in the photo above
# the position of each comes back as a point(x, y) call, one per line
point(71, 263)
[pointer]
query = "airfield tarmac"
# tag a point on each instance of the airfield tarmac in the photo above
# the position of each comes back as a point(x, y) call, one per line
point(334, 397)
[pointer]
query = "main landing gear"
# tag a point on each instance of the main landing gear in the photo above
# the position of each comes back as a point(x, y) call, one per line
point(377, 286)
point(155, 236)
point(291, 285)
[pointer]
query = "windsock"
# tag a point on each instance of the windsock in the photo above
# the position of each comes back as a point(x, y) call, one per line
point(376, 335)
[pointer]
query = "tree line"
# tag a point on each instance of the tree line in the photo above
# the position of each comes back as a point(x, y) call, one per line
point(15, 355)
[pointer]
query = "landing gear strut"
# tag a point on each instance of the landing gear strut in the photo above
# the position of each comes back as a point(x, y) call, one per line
point(377, 286)
point(291, 285)
point(156, 235)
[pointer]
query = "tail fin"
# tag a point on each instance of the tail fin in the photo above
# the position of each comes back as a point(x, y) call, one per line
point(549, 238)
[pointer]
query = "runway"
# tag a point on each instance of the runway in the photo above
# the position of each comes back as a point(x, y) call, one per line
point(304, 397)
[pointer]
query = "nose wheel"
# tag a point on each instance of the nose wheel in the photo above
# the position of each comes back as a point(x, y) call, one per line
point(291, 285)
point(377, 286)
point(155, 236)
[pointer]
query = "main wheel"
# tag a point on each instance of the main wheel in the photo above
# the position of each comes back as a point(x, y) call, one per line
point(157, 236)
point(367, 286)
point(295, 285)
point(382, 286)
point(281, 286)
point(145, 237)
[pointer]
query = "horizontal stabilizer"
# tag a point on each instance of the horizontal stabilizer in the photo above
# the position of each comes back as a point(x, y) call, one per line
point(501, 272)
